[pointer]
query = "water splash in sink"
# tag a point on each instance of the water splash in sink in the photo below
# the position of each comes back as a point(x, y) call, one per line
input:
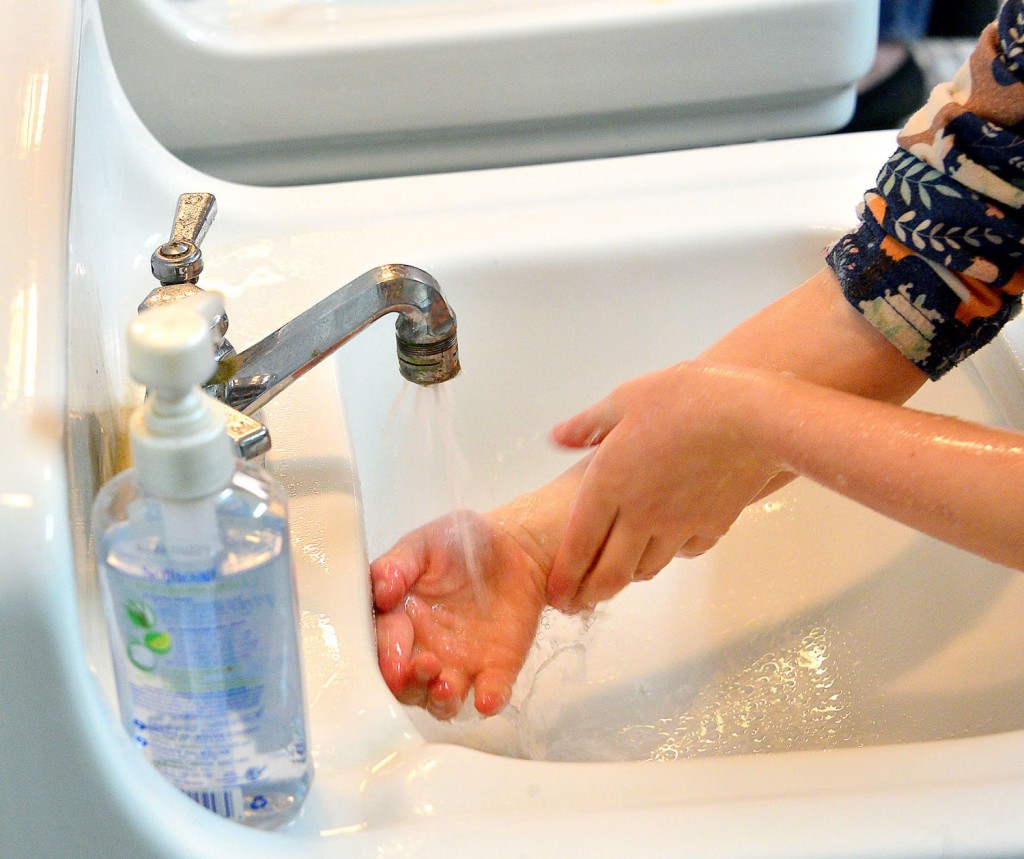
point(788, 698)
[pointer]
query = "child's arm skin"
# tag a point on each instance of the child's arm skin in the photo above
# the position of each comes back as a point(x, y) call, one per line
point(621, 530)
point(940, 475)
point(437, 638)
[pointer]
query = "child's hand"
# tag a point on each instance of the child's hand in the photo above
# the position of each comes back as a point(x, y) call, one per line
point(672, 471)
point(438, 632)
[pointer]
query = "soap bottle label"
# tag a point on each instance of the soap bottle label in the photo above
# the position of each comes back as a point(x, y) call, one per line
point(192, 678)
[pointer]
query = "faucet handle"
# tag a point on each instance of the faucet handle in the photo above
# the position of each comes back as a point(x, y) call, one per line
point(179, 260)
point(172, 292)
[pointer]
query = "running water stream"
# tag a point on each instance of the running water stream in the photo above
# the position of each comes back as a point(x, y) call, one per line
point(428, 463)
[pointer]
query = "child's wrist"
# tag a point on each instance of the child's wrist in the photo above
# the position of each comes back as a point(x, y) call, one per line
point(526, 521)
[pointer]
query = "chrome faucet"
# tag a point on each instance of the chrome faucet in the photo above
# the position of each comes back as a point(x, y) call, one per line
point(428, 351)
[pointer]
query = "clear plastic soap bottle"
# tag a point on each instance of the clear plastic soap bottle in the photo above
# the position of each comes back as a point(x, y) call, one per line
point(195, 569)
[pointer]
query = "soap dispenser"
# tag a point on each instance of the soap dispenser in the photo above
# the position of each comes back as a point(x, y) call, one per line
point(195, 568)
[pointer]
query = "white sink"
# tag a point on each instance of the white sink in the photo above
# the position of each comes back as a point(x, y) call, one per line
point(909, 642)
point(277, 91)
point(816, 624)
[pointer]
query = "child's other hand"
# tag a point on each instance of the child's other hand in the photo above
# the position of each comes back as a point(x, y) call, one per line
point(673, 468)
point(439, 632)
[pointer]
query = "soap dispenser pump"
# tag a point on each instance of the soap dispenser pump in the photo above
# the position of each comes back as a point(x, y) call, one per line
point(195, 568)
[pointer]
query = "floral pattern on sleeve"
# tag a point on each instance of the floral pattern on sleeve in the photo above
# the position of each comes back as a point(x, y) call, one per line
point(936, 262)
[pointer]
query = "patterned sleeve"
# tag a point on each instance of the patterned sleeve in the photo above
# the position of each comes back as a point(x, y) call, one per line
point(936, 261)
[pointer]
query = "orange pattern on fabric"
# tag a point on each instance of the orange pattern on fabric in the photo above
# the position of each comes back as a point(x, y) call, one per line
point(986, 300)
point(892, 248)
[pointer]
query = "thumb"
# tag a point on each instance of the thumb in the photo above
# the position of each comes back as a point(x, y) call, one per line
point(396, 571)
point(588, 428)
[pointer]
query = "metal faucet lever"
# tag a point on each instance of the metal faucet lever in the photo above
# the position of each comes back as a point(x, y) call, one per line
point(179, 260)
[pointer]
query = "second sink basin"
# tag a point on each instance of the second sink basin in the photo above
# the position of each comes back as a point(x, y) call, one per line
point(278, 92)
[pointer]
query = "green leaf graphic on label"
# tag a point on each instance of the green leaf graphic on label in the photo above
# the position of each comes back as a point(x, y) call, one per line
point(140, 614)
point(158, 642)
point(141, 656)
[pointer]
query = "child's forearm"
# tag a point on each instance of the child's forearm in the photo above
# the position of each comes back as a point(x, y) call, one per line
point(960, 482)
point(814, 333)
point(835, 348)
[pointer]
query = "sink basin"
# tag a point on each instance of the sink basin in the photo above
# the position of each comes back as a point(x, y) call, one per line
point(815, 624)
point(277, 92)
point(799, 691)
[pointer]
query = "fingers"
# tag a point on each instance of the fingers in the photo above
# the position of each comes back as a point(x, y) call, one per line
point(658, 555)
point(395, 572)
point(619, 560)
point(623, 559)
point(445, 694)
point(493, 690)
point(420, 679)
point(417, 678)
point(589, 427)
point(697, 545)
point(406, 672)
point(613, 569)
point(388, 585)
point(588, 529)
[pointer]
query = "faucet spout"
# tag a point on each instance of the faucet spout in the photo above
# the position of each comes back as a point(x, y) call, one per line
point(428, 350)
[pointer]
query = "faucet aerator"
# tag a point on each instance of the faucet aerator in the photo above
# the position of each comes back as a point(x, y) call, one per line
point(429, 363)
